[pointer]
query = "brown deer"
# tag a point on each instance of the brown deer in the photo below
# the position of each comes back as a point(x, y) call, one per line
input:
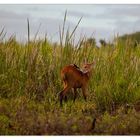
point(74, 78)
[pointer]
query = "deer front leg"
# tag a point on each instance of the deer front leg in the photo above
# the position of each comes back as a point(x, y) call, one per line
point(84, 91)
point(75, 94)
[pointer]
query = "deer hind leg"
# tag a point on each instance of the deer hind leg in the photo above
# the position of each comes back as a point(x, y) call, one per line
point(65, 85)
point(63, 94)
point(65, 98)
point(75, 94)
point(84, 91)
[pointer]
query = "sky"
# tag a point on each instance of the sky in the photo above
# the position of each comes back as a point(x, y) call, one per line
point(98, 21)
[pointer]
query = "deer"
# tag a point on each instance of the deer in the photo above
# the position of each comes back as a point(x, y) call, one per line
point(73, 78)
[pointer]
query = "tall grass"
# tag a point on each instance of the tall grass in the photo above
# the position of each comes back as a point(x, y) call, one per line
point(30, 78)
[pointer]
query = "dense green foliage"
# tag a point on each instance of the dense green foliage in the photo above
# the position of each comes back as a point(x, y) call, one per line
point(134, 38)
point(30, 83)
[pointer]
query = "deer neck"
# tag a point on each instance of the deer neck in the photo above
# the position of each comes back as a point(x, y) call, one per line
point(87, 75)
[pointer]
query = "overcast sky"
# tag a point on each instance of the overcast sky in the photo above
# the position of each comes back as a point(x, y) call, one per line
point(103, 21)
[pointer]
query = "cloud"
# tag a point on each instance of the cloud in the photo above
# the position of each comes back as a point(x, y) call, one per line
point(126, 10)
point(79, 14)
point(103, 20)
point(120, 12)
point(17, 24)
point(123, 26)
point(13, 23)
point(8, 15)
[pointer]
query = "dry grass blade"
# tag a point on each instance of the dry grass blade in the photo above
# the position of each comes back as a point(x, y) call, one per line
point(37, 32)
point(2, 34)
point(64, 22)
point(75, 28)
point(28, 27)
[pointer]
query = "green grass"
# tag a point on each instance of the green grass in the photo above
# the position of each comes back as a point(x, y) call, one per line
point(30, 83)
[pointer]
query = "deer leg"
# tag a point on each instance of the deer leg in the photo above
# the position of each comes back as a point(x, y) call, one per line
point(65, 85)
point(75, 94)
point(65, 98)
point(63, 94)
point(84, 93)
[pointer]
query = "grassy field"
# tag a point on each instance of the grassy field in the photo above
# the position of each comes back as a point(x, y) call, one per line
point(30, 83)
